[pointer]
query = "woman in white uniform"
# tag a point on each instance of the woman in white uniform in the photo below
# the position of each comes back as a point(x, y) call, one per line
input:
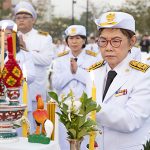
point(69, 70)
point(123, 86)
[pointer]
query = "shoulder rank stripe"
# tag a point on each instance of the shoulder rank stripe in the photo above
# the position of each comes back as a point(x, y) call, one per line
point(138, 65)
point(62, 53)
point(95, 66)
point(43, 33)
point(89, 52)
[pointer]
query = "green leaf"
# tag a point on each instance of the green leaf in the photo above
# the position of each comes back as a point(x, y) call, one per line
point(89, 123)
point(91, 107)
point(73, 132)
point(147, 145)
point(98, 108)
point(81, 121)
point(65, 108)
point(54, 96)
point(82, 133)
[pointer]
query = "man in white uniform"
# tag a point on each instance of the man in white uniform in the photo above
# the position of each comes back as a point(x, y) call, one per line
point(38, 43)
point(123, 86)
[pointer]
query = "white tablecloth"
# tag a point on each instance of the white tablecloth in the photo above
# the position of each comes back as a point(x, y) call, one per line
point(23, 144)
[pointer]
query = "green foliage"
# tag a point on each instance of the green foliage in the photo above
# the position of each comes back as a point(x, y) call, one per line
point(4, 13)
point(56, 27)
point(147, 145)
point(141, 12)
point(74, 114)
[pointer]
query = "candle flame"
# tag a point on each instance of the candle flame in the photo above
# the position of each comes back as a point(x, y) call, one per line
point(15, 27)
point(4, 26)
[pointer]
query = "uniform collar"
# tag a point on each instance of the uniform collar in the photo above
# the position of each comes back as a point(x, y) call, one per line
point(28, 33)
point(79, 56)
point(122, 67)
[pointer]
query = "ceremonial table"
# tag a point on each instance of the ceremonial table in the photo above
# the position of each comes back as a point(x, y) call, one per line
point(23, 144)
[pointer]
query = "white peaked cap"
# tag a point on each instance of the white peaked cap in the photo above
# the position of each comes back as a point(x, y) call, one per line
point(75, 30)
point(116, 20)
point(25, 7)
point(8, 24)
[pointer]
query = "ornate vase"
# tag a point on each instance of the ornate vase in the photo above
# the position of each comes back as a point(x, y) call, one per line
point(10, 110)
point(2, 92)
point(13, 94)
point(75, 144)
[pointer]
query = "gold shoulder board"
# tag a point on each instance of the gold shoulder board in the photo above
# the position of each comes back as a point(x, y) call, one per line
point(89, 52)
point(95, 66)
point(138, 65)
point(43, 33)
point(62, 53)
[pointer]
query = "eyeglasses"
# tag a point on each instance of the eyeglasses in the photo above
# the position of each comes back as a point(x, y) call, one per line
point(113, 42)
point(23, 18)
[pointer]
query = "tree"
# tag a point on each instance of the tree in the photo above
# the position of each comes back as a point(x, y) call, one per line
point(57, 27)
point(88, 23)
point(5, 12)
point(141, 12)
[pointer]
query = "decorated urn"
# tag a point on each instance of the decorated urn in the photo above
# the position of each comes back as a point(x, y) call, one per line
point(10, 110)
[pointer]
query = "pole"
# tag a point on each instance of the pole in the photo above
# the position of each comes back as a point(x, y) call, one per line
point(73, 2)
point(87, 15)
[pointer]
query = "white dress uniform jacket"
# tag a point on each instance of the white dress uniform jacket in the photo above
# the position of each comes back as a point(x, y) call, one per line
point(124, 116)
point(63, 81)
point(62, 78)
point(40, 47)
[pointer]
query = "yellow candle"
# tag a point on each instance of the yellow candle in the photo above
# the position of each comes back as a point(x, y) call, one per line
point(51, 106)
point(25, 101)
point(93, 117)
point(14, 43)
point(93, 92)
point(2, 48)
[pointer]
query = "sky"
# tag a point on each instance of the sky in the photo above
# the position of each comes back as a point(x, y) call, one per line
point(64, 7)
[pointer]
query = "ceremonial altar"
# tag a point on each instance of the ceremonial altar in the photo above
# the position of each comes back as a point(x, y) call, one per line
point(23, 144)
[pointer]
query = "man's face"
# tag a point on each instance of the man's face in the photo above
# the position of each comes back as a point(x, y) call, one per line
point(24, 22)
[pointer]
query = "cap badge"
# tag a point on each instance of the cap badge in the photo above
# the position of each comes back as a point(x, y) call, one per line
point(73, 31)
point(109, 20)
point(110, 17)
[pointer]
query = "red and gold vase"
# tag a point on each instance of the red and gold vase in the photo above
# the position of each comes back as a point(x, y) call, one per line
point(12, 75)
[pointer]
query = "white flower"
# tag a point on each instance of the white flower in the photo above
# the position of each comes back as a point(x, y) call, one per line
point(73, 107)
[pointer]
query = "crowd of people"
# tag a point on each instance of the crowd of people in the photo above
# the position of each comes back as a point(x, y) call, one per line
point(122, 78)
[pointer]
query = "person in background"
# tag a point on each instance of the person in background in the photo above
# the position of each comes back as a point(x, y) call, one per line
point(123, 86)
point(69, 70)
point(145, 43)
point(39, 44)
point(24, 59)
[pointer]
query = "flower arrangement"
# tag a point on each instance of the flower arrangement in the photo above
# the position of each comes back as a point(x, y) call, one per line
point(74, 114)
